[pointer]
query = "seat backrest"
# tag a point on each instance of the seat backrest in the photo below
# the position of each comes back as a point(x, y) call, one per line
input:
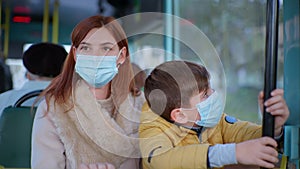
point(15, 133)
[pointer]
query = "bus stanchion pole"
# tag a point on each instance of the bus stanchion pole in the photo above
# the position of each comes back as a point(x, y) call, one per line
point(270, 63)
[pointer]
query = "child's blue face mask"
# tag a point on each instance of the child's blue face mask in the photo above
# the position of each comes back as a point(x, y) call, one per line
point(96, 70)
point(210, 111)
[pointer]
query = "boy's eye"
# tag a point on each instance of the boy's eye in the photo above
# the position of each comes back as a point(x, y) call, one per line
point(205, 95)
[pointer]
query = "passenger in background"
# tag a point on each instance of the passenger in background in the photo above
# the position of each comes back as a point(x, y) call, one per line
point(43, 62)
point(139, 79)
point(6, 82)
point(90, 116)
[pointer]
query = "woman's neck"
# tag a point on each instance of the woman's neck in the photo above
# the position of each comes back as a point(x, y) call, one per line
point(101, 93)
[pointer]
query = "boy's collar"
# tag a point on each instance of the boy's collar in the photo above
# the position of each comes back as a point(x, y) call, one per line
point(197, 129)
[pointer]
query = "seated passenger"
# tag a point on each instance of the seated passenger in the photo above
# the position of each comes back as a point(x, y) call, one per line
point(185, 126)
point(5, 75)
point(139, 79)
point(43, 62)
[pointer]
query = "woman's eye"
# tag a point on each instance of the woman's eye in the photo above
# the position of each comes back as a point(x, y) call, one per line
point(84, 48)
point(107, 49)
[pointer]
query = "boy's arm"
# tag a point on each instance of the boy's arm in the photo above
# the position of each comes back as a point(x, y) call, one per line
point(241, 131)
point(222, 154)
point(159, 151)
point(235, 131)
point(258, 152)
point(178, 157)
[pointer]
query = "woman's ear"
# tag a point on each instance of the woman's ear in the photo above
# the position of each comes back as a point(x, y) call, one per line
point(178, 116)
point(74, 53)
point(122, 56)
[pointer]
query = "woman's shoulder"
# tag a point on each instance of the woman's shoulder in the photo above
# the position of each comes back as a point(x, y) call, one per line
point(49, 108)
point(41, 108)
point(42, 117)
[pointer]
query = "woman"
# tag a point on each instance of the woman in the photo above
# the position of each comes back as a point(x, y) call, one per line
point(89, 114)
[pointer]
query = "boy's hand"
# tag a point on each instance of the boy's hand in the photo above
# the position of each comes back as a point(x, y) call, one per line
point(97, 166)
point(276, 105)
point(260, 152)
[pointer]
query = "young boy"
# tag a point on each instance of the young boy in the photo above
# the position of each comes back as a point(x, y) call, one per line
point(186, 128)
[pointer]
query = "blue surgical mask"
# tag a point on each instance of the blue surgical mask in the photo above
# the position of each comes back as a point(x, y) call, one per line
point(210, 110)
point(96, 70)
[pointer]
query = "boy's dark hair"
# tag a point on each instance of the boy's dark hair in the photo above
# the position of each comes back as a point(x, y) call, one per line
point(171, 85)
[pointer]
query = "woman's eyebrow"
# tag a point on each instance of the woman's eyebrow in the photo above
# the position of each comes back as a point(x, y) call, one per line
point(85, 43)
point(108, 43)
point(101, 44)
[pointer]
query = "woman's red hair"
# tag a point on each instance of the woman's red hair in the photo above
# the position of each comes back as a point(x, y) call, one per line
point(61, 87)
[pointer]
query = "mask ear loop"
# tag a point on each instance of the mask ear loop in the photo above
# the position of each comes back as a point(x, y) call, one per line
point(189, 109)
point(119, 64)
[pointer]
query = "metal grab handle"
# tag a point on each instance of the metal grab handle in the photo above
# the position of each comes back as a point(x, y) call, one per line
point(26, 97)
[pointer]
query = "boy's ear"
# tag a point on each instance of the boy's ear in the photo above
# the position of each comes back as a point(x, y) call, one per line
point(178, 116)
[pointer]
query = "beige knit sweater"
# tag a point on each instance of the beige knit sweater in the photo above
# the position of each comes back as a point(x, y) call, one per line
point(91, 132)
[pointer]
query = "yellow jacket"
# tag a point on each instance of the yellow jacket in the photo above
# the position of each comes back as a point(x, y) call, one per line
point(168, 146)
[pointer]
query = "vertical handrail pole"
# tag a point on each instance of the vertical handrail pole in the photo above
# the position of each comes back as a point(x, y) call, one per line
point(55, 22)
point(270, 63)
point(45, 21)
point(6, 31)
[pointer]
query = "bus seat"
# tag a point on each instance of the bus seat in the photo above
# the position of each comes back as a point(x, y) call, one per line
point(15, 133)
